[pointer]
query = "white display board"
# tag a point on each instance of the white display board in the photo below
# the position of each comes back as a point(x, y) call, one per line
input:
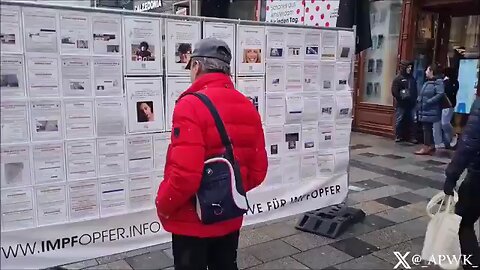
point(86, 106)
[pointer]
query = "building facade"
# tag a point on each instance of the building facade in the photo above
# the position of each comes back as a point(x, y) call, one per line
point(423, 31)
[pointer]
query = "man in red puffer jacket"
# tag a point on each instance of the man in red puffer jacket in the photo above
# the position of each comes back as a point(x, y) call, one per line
point(194, 139)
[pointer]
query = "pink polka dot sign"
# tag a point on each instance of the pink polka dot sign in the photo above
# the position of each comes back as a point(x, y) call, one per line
point(322, 13)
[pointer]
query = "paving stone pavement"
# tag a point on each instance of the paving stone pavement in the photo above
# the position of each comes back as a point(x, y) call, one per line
point(395, 187)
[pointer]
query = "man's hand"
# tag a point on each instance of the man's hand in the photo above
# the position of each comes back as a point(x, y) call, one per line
point(448, 188)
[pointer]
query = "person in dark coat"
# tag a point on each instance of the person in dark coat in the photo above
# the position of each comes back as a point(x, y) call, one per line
point(429, 106)
point(467, 155)
point(404, 90)
point(443, 132)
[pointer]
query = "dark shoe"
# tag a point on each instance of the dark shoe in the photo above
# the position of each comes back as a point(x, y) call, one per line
point(397, 140)
point(425, 151)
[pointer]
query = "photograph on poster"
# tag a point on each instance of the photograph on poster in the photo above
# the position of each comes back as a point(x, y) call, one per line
point(274, 139)
point(308, 166)
point(46, 120)
point(181, 36)
point(111, 156)
point(76, 77)
point(311, 73)
point(327, 74)
point(43, 76)
point(140, 193)
point(175, 87)
point(222, 31)
point(276, 43)
point(140, 153)
point(110, 117)
point(275, 109)
point(342, 76)
point(327, 103)
point(17, 209)
point(113, 196)
point(326, 163)
point(14, 122)
point(81, 161)
point(48, 162)
point(143, 46)
point(10, 38)
point(275, 77)
point(79, 118)
point(325, 132)
point(12, 76)
point(108, 76)
point(291, 169)
point(253, 89)
point(312, 44)
point(346, 45)
point(83, 200)
point(107, 38)
point(294, 77)
point(75, 33)
point(329, 45)
point(160, 147)
point(145, 104)
point(15, 166)
point(296, 44)
point(293, 139)
point(51, 202)
point(40, 30)
point(250, 50)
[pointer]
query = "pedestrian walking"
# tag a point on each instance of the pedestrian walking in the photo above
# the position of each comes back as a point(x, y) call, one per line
point(443, 132)
point(404, 91)
point(429, 106)
point(467, 156)
point(217, 154)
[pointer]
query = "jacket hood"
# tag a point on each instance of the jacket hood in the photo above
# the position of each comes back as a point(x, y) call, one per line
point(403, 67)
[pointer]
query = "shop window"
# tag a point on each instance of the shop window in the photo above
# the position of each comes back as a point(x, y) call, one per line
point(381, 58)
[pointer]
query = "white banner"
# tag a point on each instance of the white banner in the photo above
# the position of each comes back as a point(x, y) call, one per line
point(65, 243)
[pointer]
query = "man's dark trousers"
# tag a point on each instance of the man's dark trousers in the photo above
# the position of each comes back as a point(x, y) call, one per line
point(192, 253)
point(468, 207)
point(405, 123)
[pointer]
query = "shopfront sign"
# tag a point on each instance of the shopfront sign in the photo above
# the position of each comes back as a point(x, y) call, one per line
point(147, 5)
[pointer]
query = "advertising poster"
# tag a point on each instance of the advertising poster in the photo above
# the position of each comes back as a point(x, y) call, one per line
point(107, 34)
point(79, 118)
point(113, 195)
point(140, 153)
point(12, 76)
point(40, 30)
point(43, 76)
point(15, 166)
point(75, 33)
point(145, 104)
point(76, 76)
point(175, 87)
point(17, 209)
point(110, 116)
point(51, 204)
point(111, 156)
point(250, 50)
point(11, 40)
point(276, 43)
point(253, 89)
point(143, 46)
point(181, 36)
point(107, 76)
point(222, 31)
point(46, 120)
point(14, 122)
point(81, 160)
point(346, 46)
point(296, 44)
point(328, 47)
point(275, 77)
point(312, 44)
point(48, 162)
point(285, 11)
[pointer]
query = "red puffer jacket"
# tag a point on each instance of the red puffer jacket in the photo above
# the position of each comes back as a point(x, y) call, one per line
point(194, 139)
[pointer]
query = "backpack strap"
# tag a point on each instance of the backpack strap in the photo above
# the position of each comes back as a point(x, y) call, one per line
point(219, 123)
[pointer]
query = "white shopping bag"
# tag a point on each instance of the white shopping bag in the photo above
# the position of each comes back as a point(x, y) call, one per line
point(442, 244)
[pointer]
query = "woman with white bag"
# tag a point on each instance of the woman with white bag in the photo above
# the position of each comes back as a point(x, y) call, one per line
point(466, 156)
